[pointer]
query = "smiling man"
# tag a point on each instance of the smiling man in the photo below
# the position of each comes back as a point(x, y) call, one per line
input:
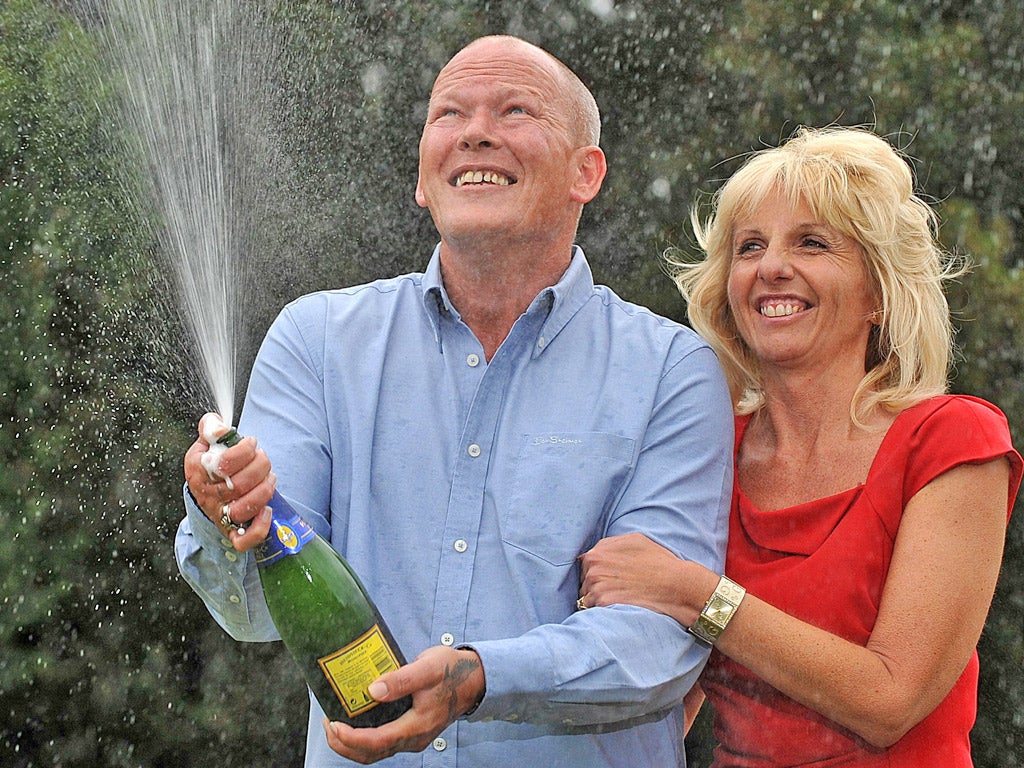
point(464, 434)
point(508, 158)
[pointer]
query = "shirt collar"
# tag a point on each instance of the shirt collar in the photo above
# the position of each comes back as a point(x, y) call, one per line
point(560, 301)
point(563, 299)
point(435, 299)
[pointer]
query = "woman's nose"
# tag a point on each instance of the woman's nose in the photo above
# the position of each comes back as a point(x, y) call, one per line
point(774, 264)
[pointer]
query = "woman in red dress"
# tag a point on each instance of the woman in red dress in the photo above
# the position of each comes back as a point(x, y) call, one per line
point(869, 508)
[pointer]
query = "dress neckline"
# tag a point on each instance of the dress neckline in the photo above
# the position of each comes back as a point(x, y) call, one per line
point(803, 528)
point(839, 496)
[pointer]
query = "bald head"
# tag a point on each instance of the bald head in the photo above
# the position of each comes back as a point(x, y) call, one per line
point(580, 106)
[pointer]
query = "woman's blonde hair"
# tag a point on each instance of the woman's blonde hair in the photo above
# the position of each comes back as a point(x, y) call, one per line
point(856, 182)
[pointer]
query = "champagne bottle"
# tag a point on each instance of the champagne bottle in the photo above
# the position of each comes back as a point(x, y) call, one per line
point(328, 622)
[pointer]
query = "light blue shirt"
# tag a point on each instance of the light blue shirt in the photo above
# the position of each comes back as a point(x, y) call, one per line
point(463, 491)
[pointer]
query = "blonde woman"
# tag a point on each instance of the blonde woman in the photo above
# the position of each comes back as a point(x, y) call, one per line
point(869, 508)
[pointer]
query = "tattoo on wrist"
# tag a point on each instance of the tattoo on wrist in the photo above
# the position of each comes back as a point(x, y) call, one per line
point(454, 676)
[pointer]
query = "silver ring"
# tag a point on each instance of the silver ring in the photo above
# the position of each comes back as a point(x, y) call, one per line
point(580, 605)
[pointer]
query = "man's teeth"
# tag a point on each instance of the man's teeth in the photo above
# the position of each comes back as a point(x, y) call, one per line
point(781, 310)
point(482, 177)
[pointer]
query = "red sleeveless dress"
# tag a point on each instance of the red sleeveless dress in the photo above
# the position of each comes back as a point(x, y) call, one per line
point(825, 562)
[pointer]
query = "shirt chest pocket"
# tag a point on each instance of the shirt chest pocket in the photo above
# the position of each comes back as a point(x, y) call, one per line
point(562, 488)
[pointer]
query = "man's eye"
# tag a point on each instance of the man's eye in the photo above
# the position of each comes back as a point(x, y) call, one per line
point(517, 110)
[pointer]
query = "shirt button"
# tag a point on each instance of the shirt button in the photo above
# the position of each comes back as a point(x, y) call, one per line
point(226, 544)
point(235, 599)
point(542, 342)
point(473, 360)
point(231, 556)
point(461, 545)
point(440, 744)
point(447, 639)
point(473, 450)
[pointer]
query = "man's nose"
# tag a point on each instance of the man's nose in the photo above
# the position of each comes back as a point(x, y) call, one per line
point(478, 132)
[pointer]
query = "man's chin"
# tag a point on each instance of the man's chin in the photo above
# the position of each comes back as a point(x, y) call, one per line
point(479, 235)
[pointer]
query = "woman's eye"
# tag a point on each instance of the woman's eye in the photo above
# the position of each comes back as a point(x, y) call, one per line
point(746, 248)
point(813, 242)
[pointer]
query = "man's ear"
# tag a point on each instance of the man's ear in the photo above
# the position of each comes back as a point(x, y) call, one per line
point(591, 168)
point(421, 199)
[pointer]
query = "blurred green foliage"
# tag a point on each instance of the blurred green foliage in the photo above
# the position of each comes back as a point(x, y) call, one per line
point(106, 657)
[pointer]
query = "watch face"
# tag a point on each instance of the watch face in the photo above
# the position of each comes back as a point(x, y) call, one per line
point(718, 610)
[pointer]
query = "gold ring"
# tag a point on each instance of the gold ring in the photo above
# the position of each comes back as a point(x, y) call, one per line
point(580, 605)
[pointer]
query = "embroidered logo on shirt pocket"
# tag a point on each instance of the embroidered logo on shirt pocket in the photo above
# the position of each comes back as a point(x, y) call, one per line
point(563, 485)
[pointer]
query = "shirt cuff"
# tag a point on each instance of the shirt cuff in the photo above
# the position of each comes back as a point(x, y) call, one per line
point(224, 578)
point(508, 677)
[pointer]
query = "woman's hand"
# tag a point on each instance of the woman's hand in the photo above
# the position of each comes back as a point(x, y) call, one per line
point(634, 570)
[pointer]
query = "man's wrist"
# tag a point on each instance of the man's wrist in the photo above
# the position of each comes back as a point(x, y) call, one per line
point(476, 681)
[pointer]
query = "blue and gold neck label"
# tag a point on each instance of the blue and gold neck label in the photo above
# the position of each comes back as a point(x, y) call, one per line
point(288, 533)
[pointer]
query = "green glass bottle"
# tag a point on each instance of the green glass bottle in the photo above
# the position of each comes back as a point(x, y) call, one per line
point(328, 622)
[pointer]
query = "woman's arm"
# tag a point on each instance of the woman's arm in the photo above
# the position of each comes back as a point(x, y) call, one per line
point(936, 597)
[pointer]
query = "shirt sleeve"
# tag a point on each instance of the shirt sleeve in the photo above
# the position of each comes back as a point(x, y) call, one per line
point(622, 663)
point(226, 580)
point(284, 409)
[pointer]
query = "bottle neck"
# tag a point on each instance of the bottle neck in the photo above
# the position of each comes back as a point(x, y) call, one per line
point(230, 438)
point(288, 533)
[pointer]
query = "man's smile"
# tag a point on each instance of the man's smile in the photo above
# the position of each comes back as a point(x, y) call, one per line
point(483, 177)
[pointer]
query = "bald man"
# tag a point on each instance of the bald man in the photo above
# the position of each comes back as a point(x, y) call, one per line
point(463, 434)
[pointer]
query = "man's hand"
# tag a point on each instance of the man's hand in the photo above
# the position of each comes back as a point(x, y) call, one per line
point(239, 487)
point(444, 683)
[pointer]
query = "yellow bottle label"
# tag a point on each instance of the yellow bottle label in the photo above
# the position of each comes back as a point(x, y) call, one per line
point(351, 669)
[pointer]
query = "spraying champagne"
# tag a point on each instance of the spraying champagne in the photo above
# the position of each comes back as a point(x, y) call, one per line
point(328, 622)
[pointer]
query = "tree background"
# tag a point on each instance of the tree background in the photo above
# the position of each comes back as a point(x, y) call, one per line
point(106, 657)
